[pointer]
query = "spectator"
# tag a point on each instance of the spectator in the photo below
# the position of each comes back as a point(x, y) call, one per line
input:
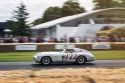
point(21, 40)
point(54, 40)
point(39, 40)
point(72, 39)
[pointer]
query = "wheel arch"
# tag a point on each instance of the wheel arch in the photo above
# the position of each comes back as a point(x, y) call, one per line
point(83, 56)
point(46, 56)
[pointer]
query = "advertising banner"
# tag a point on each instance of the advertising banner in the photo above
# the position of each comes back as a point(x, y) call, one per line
point(26, 47)
point(63, 46)
point(101, 46)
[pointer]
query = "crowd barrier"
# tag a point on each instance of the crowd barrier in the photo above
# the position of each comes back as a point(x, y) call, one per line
point(10, 47)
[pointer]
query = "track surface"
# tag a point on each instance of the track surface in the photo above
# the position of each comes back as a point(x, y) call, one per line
point(35, 66)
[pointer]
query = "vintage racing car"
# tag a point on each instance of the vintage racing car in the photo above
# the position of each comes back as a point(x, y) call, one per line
point(80, 56)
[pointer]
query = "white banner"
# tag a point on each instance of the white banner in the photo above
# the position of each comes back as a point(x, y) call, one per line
point(62, 46)
point(26, 47)
point(101, 46)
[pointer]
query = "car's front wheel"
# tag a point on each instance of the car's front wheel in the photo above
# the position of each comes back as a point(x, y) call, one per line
point(46, 60)
point(80, 60)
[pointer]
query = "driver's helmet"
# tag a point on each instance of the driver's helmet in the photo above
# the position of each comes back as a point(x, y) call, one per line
point(64, 50)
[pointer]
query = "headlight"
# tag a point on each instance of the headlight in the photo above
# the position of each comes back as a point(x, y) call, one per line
point(36, 55)
point(91, 55)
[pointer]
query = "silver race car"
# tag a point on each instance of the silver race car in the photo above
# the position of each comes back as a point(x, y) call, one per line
point(80, 56)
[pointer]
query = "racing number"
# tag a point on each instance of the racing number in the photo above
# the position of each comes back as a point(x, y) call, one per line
point(71, 56)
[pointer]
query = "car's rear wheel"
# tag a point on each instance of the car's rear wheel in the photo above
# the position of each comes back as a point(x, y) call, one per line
point(46, 60)
point(80, 60)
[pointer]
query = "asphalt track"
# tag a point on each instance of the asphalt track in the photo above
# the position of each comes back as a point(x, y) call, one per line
point(35, 66)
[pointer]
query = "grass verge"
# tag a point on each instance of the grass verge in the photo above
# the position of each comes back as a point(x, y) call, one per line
point(16, 56)
point(27, 56)
point(109, 55)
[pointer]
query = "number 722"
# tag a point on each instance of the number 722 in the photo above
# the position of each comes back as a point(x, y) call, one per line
point(71, 56)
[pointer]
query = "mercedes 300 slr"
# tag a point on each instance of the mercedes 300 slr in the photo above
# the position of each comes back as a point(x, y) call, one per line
point(77, 55)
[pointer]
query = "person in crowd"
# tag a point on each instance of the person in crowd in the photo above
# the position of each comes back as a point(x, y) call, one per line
point(39, 40)
point(72, 39)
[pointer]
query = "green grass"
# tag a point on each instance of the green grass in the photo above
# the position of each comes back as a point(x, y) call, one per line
point(27, 56)
point(109, 55)
point(16, 56)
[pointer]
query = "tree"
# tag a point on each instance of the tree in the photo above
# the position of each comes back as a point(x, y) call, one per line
point(122, 4)
point(118, 3)
point(18, 23)
point(71, 7)
point(52, 13)
point(37, 21)
point(101, 4)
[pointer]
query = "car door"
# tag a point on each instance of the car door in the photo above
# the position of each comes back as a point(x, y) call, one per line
point(57, 57)
point(69, 56)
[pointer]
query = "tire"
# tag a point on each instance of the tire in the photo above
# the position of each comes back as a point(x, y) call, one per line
point(80, 60)
point(46, 60)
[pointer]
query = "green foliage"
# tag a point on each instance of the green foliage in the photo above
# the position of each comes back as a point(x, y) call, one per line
point(118, 3)
point(70, 7)
point(52, 13)
point(18, 23)
point(101, 4)
point(37, 21)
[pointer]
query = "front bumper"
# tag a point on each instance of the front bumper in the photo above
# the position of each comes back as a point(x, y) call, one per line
point(91, 59)
point(36, 59)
